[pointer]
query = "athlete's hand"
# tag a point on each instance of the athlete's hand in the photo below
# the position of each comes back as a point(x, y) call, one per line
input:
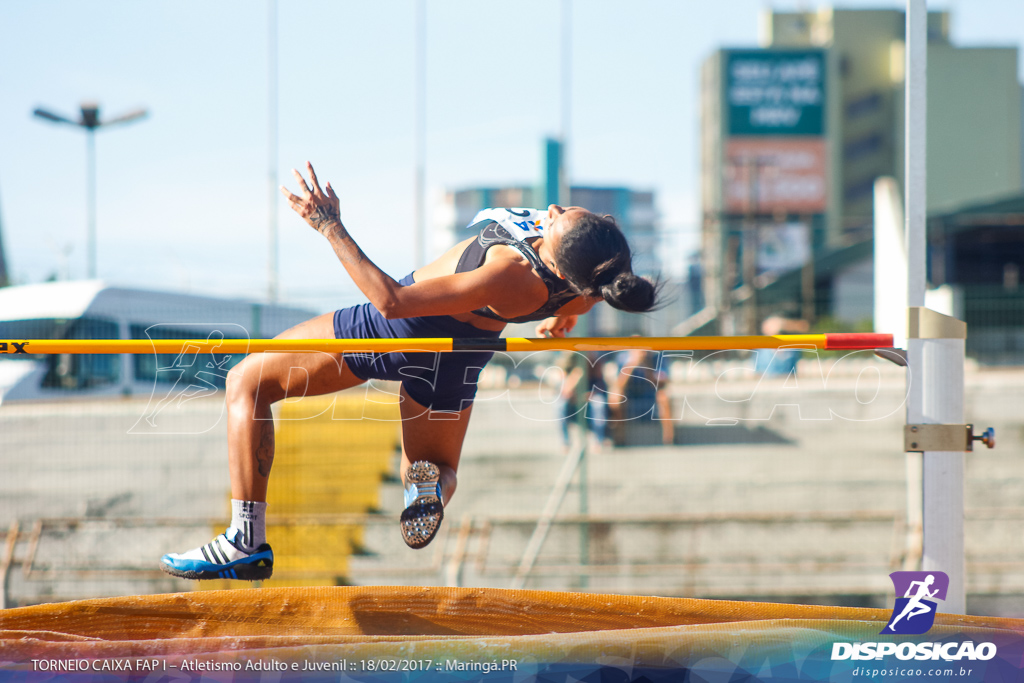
point(321, 210)
point(557, 326)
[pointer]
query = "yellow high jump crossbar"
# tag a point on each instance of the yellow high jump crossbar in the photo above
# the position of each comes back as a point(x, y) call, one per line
point(827, 341)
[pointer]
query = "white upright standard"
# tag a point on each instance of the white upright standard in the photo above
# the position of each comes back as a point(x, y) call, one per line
point(936, 363)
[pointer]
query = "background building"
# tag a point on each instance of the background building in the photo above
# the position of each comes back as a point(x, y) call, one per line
point(764, 171)
point(974, 108)
point(795, 134)
point(975, 255)
point(634, 212)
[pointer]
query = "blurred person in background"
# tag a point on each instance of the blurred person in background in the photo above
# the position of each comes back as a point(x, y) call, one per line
point(583, 399)
point(640, 392)
point(779, 362)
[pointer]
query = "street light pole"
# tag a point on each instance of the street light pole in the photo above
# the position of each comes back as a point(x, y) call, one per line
point(273, 258)
point(90, 122)
point(90, 199)
point(564, 182)
point(420, 223)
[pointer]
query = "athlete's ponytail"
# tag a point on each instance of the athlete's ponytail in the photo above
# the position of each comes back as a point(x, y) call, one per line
point(629, 292)
point(595, 259)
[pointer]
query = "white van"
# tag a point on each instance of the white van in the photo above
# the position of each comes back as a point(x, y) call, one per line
point(92, 309)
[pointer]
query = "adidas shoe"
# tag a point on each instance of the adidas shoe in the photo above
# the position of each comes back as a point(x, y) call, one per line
point(423, 508)
point(221, 559)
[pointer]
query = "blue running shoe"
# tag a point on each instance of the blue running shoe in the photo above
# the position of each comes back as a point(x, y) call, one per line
point(221, 559)
point(423, 508)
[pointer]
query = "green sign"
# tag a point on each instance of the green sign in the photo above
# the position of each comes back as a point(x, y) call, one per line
point(775, 92)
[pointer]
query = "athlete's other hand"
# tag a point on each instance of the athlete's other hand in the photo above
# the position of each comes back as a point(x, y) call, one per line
point(557, 326)
point(321, 210)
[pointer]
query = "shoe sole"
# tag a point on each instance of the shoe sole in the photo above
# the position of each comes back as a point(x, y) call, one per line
point(242, 572)
point(258, 566)
point(422, 519)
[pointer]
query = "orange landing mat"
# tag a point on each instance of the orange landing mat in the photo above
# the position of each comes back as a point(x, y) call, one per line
point(318, 623)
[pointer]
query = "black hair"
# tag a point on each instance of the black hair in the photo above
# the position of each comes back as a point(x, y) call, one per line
point(595, 259)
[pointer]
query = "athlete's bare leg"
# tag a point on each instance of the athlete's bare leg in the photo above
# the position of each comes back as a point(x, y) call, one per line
point(263, 379)
point(434, 437)
point(431, 447)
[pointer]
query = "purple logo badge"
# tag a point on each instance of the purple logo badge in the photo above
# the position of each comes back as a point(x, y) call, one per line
point(914, 613)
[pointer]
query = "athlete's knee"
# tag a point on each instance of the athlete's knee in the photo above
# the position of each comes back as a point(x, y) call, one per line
point(242, 383)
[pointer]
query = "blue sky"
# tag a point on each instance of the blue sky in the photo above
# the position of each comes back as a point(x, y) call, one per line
point(182, 196)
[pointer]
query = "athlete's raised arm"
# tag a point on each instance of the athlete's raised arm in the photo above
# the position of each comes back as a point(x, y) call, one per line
point(452, 294)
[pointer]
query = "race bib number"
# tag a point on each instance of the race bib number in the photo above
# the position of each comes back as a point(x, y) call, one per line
point(521, 223)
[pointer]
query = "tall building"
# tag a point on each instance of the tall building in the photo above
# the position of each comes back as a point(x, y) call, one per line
point(795, 133)
point(974, 107)
point(458, 207)
point(634, 212)
point(764, 176)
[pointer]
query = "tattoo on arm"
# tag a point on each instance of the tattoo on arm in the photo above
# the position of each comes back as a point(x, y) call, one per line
point(323, 216)
point(344, 246)
point(265, 448)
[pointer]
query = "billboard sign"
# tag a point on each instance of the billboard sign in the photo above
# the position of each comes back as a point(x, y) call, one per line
point(766, 175)
point(775, 92)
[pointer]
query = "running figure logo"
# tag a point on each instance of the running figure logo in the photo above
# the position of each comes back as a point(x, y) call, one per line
point(914, 613)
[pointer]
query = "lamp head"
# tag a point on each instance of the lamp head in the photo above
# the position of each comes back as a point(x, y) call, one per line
point(90, 115)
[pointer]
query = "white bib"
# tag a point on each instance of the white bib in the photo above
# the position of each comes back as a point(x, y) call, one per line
point(521, 223)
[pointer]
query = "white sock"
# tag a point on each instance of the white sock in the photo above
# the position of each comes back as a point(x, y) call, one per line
point(250, 519)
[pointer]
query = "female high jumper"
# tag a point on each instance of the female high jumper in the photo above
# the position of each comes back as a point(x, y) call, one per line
point(522, 265)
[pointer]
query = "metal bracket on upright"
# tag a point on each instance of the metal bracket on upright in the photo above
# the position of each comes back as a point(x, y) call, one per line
point(919, 438)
